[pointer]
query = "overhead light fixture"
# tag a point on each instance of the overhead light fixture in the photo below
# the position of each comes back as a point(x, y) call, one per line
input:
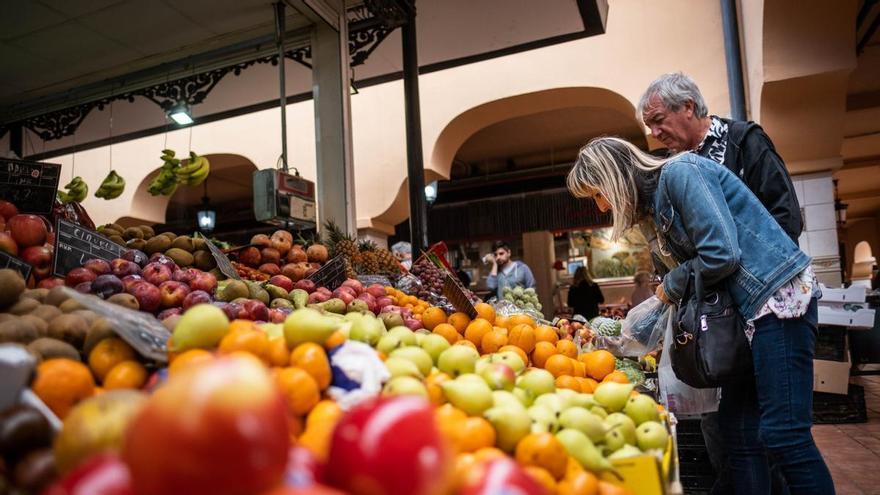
point(206, 216)
point(431, 192)
point(180, 114)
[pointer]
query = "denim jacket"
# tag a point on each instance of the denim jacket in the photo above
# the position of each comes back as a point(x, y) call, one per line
point(702, 210)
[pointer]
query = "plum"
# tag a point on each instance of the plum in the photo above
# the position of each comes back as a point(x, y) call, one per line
point(135, 256)
point(106, 285)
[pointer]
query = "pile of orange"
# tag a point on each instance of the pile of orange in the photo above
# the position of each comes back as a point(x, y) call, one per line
point(413, 303)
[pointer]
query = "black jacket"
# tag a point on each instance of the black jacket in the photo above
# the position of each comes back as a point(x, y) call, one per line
point(584, 299)
point(751, 156)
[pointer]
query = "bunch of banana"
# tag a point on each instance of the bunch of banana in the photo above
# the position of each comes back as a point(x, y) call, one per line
point(77, 190)
point(195, 172)
point(112, 186)
point(166, 182)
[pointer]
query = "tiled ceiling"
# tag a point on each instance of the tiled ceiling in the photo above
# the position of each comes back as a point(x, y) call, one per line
point(50, 45)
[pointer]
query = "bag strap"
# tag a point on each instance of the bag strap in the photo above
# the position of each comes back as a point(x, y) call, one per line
point(699, 290)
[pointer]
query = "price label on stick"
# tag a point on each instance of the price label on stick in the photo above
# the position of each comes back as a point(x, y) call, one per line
point(75, 244)
point(9, 261)
point(368, 280)
point(223, 263)
point(141, 330)
point(30, 186)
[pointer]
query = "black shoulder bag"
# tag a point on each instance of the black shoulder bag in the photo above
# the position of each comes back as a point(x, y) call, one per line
point(710, 347)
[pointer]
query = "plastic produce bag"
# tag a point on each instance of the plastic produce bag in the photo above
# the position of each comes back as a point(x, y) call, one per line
point(640, 332)
point(504, 307)
point(679, 397)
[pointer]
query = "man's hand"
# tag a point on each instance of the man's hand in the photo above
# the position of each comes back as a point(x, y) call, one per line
point(661, 294)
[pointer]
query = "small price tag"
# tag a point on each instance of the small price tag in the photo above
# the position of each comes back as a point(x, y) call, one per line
point(9, 261)
point(30, 186)
point(141, 330)
point(75, 244)
point(223, 263)
point(368, 280)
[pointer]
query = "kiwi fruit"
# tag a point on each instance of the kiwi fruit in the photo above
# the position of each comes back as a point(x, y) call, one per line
point(56, 296)
point(46, 312)
point(199, 243)
point(183, 242)
point(181, 257)
point(125, 300)
point(148, 231)
point(170, 235)
point(46, 348)
point(40, 324)
point(11, 286)
point(18, 330)
point(6, 317)
point(100, 330)
point(24, 306)
point(158, 244)
point(116, 226)
point(117, 239)
point(70, 328)
point(70, 305)
point(132, 233)
point(138, 244)
point(203, 260)
point(38, 294)
point(87, 314)
point(109, 230)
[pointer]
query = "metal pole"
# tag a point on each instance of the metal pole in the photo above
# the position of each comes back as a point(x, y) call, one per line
point(734, 60)
point(279, 41)
point(418, 215)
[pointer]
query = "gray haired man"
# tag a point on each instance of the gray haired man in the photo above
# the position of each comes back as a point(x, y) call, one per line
point(674, 109)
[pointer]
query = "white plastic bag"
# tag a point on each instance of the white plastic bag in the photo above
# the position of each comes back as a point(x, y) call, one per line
point(640, 332)
point(677, 396)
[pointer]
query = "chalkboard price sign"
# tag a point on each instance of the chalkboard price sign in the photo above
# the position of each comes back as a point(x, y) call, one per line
point(9, 261)
point(30, 186)
point(223, 263)
point(75, 244)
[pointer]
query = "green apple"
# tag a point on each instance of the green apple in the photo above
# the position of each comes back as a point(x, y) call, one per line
point(406, 336)
point(511, 425)
point(398, 366)
point(470, 395)
point(434, 345)
point(624, 452)
point(544, 419)
point(417, 355)
point(612, 395)
point(388, 343)
point(584, 421)
point(405, 385)
point(509, 358)
point(305, 325)
point(641, 408)
point(457, 360)
point(652, 435)
point(582, 449)
point(503, 398)
point(622, 423)
point(498, 376)
point(536, 382)
point(524, 396)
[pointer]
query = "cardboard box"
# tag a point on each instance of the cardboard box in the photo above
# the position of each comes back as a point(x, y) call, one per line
point(831, 376)
point(838, 315)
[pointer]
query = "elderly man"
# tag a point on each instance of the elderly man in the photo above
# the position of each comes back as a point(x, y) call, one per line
point(674, 109)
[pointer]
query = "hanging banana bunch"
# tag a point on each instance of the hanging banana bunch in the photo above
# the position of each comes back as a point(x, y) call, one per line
point(166, 182)
point(112, 186)
point(77, 190)
point(195, 172)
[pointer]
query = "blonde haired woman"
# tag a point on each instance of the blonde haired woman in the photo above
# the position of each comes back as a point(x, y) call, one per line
point(700, 210)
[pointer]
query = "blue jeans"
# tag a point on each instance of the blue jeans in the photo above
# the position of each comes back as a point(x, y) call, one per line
point(772, 414)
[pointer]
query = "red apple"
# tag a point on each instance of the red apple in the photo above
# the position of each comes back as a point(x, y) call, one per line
point(156, 273)
point(173, 293)
point(278, 315)
point(282, 281)
point(232, 309)
point(389, 445)
point(413, 324)
point(100, 474)
point(345, 295)
point(123, 268)
point(79, 275)
point(204, 281)
point(269, 268)
point(261, 240)
point(83, 287)
point(39, 257)
point(48, 283)
point(129, 280)
point(270, 255)
point(384, 301)
point(148, 296)
point(164, 260)
point(165, 313)
point(376, 290)
point(196, 297)
point(7, 210)
point(282, 241)
point(7, 244)
point(232, 439)
point(50, 239)
point(27, 230)
point(355, 284)
point(318, 297)
point(306, 285)
point(297, 255)
point(500, 475)
point(97, 265)
point(370, 300)
point(185, 275)
point(255, 310)
point(250, 256)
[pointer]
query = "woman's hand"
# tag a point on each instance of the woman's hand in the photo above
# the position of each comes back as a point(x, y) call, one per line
point(661, 294)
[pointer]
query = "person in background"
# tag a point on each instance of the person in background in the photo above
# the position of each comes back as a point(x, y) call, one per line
point(584, 295)
point(403, 252)
point(506, 272)
point(642, 290)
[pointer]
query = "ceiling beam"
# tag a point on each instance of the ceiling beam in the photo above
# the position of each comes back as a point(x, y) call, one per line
point(863, 162)
point(859, 101)
point(871, 194)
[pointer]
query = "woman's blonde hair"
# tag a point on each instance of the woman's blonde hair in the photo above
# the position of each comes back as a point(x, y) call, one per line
point(609, 164)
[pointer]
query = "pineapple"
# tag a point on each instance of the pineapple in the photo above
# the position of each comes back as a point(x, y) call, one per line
point(387, 262)
point(342, 244)
point(369, 259)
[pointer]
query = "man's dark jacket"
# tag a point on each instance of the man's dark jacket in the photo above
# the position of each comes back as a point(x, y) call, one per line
point(751, 156)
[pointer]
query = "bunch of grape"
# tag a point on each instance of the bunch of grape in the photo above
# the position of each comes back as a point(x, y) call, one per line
point(432, 277)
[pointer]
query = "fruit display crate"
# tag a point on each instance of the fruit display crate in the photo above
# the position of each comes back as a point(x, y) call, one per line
point(840, 409)
point(696, 471)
